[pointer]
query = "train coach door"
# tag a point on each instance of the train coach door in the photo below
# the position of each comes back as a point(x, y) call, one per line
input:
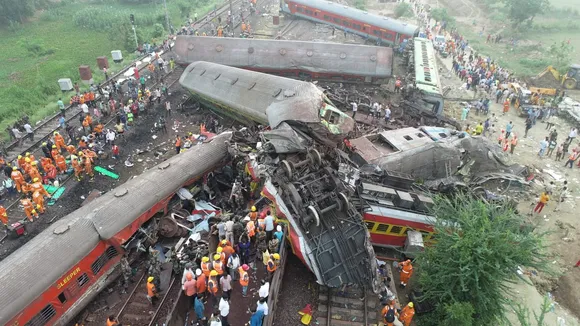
point(366, 28)
point(398, 39)
point(318, 14)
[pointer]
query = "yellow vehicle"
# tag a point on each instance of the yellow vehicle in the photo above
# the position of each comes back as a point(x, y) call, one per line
point(570, 80)
point(523, 95)
point(543, 91)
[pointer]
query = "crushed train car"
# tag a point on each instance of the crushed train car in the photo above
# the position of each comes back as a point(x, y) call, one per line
point(257, 98)
point(290, 58)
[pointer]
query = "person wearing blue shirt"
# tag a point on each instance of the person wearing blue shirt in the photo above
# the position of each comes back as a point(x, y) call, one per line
point(198, 307)
point(257, 317)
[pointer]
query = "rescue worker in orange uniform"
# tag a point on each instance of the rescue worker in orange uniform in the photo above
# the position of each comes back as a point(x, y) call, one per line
point(59, 141)
point(26, 165)
point(30, 156)
point(54, 151)
point(406, 272)
point(60, 163)
point(272, 266)
point(200, 283)
point(71, 149)
point(44, 162)
point(112, 321)
point(3, 216)
point(243, 27)
point(244, 279)
point(506, 106)
point(212, 287)
point(20, 161)
point(89, 168)
point(33, 171)
point(206, 266)
point(177, 145)
point(250, 228)
point(37, 186)
point(38, 199)
point(220, 251)
point(50, 173)
point(389, 314)
point(78, 168)
point(217, 265)
point(29, 209)
point(151, 290)
point(406, 315)
point(17, 178)
point(253, 213)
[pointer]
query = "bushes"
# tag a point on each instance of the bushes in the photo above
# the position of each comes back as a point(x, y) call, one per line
point(158, 30)
point(403, 9)
point(360, 4)
point(100, 18)
point(35, 47)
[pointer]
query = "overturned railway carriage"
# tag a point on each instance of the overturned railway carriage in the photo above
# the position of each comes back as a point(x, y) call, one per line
point(52, 277)
point(254, 97)
point(378, 28)
point(296, 59)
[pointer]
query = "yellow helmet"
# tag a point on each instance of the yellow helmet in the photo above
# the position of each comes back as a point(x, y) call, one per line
point(150, 279)
point(44, 144)
point(411, 305)
point(35, 180)
point(219, 250)
point(19, 156)
point(53, 146)
point(81, 153)
point(56, 132)
point(33, 163)
point(224, 242)
point(253, 208)
point(216, 257)
point(14, 168)
point(276, 256)
point(27, 153)
point(27, 160)
point(205, 259)
point(213, 273)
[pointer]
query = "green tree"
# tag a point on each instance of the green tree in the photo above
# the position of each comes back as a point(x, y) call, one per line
point(403, 9)
point(122, 33)
point(441, 14)
point(16, 10)
point(478, 248)
point(561, 54)
point(158, 30)
point(524, 11)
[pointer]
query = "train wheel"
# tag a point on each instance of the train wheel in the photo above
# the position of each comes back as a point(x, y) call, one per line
point(570, 83)
point(287, 167)
point(314, 156)
point(343, 199)
point(294, 195)
point(313, 215)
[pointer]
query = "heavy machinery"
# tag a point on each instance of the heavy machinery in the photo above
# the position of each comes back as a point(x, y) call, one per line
point(570, 80)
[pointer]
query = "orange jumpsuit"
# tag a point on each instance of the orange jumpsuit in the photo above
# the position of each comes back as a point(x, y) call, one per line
point(3, 216)
point(60, 163)
point(38, 199)
point(406, 272)
point(37, 186)
point(21, 161)
point(44, 162)
point(406, 315)
point(33, 173)
point(89, 167)
point(78, 169)
point(384, 312)
point(29, 209)
point(71, 149)
point(506, 106)
point(59, 142)
point(18, 180)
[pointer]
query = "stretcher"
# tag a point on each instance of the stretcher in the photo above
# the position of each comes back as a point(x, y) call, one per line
point(55, 192)
point(106, 172)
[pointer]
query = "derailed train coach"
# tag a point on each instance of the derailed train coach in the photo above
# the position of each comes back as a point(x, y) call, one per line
point(257, 98)
point(295, 59)
point(57, 273)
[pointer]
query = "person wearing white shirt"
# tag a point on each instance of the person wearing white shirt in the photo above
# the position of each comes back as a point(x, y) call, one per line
point(85, 108)
point(387, 114)
point(264, 290)
point(29, 131)
point(224, 307)
point(263, 306)
point(354, 109)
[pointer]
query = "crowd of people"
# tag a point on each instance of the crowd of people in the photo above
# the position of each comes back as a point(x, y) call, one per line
point(209, 279)
point(214, 25)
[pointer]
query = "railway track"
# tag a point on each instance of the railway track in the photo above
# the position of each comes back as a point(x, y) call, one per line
point(349, 306)
point(137, 310)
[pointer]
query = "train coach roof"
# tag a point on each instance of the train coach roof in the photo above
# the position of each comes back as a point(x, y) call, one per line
point(353, 59)
point(269, 99)
point(362, 16)
point(40, 263)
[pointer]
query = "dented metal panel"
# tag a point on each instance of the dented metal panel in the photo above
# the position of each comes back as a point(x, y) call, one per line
point(280, 55)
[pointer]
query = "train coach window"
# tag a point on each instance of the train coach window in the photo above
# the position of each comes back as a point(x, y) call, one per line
point(345, 23)
point(111, 252)
point(300, 9)
point(103, 259)
point(388, 36)
point(309, 12)
point(377, 32)
point(355, 26)
point(62, 298)
point(396, 229)
point(326, 17)
point(82, 280)
point(382, 228)
point(370, 225)
point(43, 317)
point(336, 20)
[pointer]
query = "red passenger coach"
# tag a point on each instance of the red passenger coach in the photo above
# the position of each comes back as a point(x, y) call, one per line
point(379, 28)
point(52, 277)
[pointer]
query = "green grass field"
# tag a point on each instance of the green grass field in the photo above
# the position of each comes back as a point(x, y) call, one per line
point(28, 82)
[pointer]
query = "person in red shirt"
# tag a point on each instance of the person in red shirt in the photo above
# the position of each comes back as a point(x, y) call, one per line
point(115, 151)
